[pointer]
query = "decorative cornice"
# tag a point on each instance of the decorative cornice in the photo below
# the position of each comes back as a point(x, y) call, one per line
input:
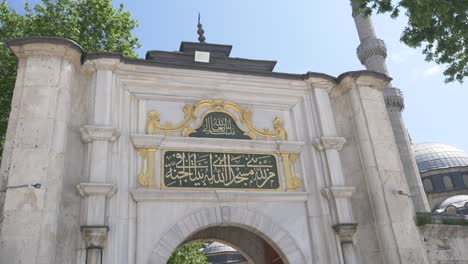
point(324, 143)
point(290, 146)
point(338, 192)
point(96, 189)
point(105, 63)
point(225, 196)
point(394, 98)
point(147, 141)
point(319, 82)
point(345, 231)
point(47, 46)
point(94, 236)
point(90, 133)
point(371, 47)
point(355, 79)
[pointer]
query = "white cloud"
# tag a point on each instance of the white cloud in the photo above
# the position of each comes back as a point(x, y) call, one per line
point(401, 55)
point(432, 70)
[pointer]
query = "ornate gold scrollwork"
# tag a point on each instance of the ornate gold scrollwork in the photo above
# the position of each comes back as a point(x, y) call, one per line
point(147, 176)
point(278, 125)
point(190, 114)
point(293, 183)
point(155, 127)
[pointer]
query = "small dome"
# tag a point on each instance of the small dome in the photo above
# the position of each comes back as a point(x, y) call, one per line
point(457, 201)
point(217, 247)
point(430, 156)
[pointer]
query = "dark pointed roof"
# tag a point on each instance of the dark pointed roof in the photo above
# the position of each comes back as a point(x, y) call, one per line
point(218, 58)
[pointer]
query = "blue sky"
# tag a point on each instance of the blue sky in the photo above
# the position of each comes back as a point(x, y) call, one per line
point(309, 35)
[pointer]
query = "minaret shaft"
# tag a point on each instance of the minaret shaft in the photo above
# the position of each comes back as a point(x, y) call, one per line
point(372, 53)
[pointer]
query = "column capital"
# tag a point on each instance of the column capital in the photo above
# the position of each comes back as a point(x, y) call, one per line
point(96, 189)
point(324, 143)
point(103, 133)
point(338, 192)
point(94, 236)
point(101, 62)
point(345, 231)
point(47, 46)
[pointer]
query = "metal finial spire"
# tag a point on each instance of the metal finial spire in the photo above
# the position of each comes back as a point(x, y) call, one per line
point(200, 31)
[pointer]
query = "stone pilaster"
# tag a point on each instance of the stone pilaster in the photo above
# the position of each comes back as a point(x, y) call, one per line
point(337, 193)
point(36, 148)
point(99, 136)
point(399, 239)
point(372, 54)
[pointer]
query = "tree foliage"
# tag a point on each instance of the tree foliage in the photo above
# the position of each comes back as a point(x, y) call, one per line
point(439, 26)
point(95, 24)
point(189, 254)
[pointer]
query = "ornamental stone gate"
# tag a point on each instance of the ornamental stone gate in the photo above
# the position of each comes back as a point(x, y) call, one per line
point(136, 157)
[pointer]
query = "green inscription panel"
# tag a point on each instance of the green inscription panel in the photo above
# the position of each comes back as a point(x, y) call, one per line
point(219, 125)
point(186, 169)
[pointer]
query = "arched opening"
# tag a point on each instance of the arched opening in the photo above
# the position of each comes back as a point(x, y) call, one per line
point(234, 245)
point(195, 222)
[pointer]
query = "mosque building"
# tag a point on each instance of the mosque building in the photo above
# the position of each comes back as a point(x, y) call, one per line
point(116, 160)
point(444, 173)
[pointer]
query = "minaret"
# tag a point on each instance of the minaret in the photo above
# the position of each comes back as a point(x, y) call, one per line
point(372, 53)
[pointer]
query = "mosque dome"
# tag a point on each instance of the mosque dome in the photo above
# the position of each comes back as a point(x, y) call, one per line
point(217, 247)
point(452, 204)
point(217, 253)
point(432, 156)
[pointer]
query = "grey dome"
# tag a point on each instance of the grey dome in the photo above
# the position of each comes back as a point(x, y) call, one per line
point(430, 156)
point(217, 247)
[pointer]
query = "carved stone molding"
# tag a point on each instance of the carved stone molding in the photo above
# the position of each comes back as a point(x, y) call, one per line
point(325, 143)
point(371, 47)
point(290, 146)
point(345, 232)
point(147, 141)
point(90, 133)
point(96, 189)
point(394, 98)
point(101, 64)
point(94, 236)
point(338, 192)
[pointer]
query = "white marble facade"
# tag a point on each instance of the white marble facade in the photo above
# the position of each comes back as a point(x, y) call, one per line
point(76, 128)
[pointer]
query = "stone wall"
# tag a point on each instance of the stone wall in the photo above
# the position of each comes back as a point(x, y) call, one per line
point(446, 244)
point(42, 146)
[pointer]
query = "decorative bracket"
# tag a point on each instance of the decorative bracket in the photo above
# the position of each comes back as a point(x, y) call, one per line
point(103, 133)
point(325, 143)
point(96, 189)
point(293, 183)
point(147, 176)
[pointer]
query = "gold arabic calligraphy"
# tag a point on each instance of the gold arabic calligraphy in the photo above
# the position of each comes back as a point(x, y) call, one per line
point(220, 170)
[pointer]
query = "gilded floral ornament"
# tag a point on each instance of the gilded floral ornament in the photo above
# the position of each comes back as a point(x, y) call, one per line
point(226, 108)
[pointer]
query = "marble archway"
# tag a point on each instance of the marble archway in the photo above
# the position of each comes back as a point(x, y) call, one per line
point(261, 225)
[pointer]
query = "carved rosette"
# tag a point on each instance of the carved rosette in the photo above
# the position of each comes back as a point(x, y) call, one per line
point(345, 232)
point(94, 236)
point(371, 47)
